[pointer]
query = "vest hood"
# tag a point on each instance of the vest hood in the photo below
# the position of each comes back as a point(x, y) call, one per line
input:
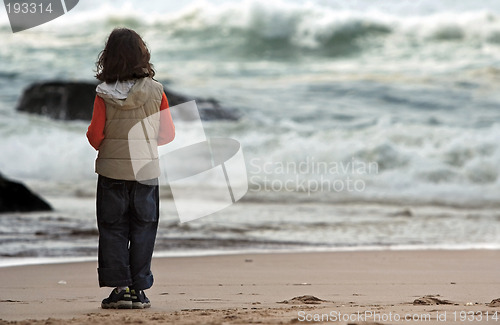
point(118, 97)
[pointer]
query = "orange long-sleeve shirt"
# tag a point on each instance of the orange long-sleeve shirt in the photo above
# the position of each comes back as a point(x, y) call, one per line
point(95, 132)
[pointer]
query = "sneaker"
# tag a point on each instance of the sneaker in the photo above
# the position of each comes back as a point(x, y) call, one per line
point(118, 300)
point(139, 299)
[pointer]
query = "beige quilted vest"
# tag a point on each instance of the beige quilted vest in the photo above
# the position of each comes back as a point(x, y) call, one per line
point(129, 150)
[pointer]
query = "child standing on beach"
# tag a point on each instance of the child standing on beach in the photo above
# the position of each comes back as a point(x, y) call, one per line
point(127, 166)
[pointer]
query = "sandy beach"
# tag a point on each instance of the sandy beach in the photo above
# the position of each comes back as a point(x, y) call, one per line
point(367, 133)
point(384, 287)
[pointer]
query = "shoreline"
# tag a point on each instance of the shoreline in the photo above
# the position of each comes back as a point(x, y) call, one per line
point(249, 227)
point(30, 261)
point(244, 288)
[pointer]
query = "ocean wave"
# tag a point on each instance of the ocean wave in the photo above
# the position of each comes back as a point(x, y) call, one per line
point(268, 26)
point(383, 162)
point(256, 26)
point(440, 150)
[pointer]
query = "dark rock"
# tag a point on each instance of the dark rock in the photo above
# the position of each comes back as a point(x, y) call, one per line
point(15, 197)
point(63, 100)
point(59, 100)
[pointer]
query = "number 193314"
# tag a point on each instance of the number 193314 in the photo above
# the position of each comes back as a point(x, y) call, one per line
point(28, 8)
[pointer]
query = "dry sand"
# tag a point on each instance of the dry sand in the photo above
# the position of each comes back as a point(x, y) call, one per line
point(269, 289)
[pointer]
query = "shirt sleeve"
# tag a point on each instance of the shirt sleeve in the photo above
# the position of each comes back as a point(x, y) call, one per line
point(95, 132)
point(167, 128)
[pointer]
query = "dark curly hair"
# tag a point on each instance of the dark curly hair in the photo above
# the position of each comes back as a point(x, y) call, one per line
point(125, 57)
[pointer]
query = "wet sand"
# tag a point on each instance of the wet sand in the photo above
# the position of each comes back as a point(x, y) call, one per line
point(382, 287)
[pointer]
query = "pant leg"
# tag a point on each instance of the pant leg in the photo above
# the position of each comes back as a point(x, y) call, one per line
point(113, 225)
point(145, 211)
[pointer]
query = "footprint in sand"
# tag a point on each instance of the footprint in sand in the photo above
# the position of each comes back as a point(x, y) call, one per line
point(494, 303)
point(431, 300)
point(307, 299)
